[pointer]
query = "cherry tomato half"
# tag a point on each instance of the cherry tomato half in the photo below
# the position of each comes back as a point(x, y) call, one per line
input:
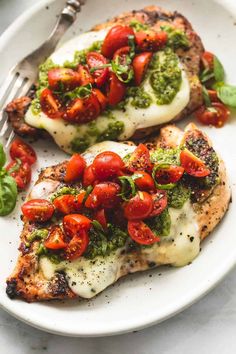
point(75, 168)
point(95, 59)
point(117, 37)
point(75, 223)
point(100, 216)
point(83, 110)
point(169, 174)
point(69, 204)
point(77, 246)
point(140, 65)
point(116, 90)
point(141, 233)
point(208, 60)
point(150, 41)
point(62, 78)
point(216, 115)
point(121, 57)
point(104, 195)
point(139, 159)
point(20, 150)
point(55, 239)
point(107, 165)
point(38, 210)
point(159, 203)
point(50, 104)
point(84, 75)
point(21, 172)
point(89, 177)
point(139, 207)
point(102, 99)
point(213, 96)
point(193, 165)
point(145, 182)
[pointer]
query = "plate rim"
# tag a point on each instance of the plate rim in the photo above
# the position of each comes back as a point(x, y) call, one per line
point(187, 301)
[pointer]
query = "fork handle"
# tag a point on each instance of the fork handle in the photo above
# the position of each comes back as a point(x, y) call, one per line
point(67, 17)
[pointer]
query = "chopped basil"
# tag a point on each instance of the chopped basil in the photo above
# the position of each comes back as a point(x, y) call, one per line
point(128, 186)
point(218, 68)
point(227, 94)
point(206, 97)
point(79, 92)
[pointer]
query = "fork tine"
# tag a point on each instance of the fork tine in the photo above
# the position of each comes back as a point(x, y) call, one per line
point(9, 140)
point(6, 86)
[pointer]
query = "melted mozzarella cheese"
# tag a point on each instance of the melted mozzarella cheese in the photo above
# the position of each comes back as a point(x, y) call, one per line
point(86, 278)
point(133, 118)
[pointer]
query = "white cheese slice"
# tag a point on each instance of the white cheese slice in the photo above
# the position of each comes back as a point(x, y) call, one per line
point(134, 118)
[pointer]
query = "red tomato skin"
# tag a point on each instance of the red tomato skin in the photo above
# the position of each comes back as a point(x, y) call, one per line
point(23, 151)
point(213, 96)
point(100, 216)
point(104, 195)
point(150, 40)
point(82, 110)
point(141, 233)
point(84, 75)
point(217, 119)
point(69, 78)
point(117, 37)
point(75, 168)
point(159, 203)
point(69, 204)
point(74, 224)
point(145, 182)
point(139, 160)
point(95, 59)
point(170, 174)
point(38, 210)
point(102, 99)
point(139, 207)
point(22, 175)
point(122, 53)
point(140, 65)
point(208, 60)
point(50, 104)
point(193, 165)
point(116, 91)
point(55, 239)
point(89, 177)
point(77, 246)
point(107, 165)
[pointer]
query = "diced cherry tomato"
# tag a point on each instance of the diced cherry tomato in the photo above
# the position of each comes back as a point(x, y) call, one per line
point(193, 165)
point(38, 210)
point(208, 60)
point(141, 233)
point(20, 150)
point(89, 177)
point(107, 165)
point(63, 79)
point(21, 172)
point(140, 65)
point(139, 159)
point(85, 76)
point(145, 182)
point(83, 110)
point(69, 204)
point(169, 174)
point(104, 195)
point(100, 216)
point(216, 115)
point(95, 59)
point(75, 168)
point(121, 58)
point(50, 104)
point(102, 99)
point(75, 223)
point(150, 40)
point(55, 239)
point(213, 96)
point(139, 207)
point(77, 246)
point(117, 37)
point(116, 90)
point(159, 202)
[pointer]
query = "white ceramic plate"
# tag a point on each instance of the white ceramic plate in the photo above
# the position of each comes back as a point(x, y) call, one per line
point(143, 299)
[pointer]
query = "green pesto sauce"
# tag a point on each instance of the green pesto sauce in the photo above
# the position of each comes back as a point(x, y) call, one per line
point(166, 77)
point(40, 234)
point(64, 190)
point(102, 243)
point(140, 98)
point(176, 38)
point(178, 196)
point(138, 26)
point(160, 224)
point(166, 156)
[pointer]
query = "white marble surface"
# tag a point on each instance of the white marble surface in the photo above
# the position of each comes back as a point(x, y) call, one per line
point(207, 327)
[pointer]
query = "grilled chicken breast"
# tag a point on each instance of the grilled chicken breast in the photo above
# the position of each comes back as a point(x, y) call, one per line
point(37, 278)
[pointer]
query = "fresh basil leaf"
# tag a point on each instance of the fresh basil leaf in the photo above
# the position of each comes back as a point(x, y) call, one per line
point(227, 94)
point(128, 187)
point(206, 97)
point(218, 68)
point(79, 92)
point(8, 193)
point(2, 156)
point(131, 44)
point(97, 226)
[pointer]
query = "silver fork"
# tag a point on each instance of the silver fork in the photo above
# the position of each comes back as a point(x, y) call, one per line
point(22, 76)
